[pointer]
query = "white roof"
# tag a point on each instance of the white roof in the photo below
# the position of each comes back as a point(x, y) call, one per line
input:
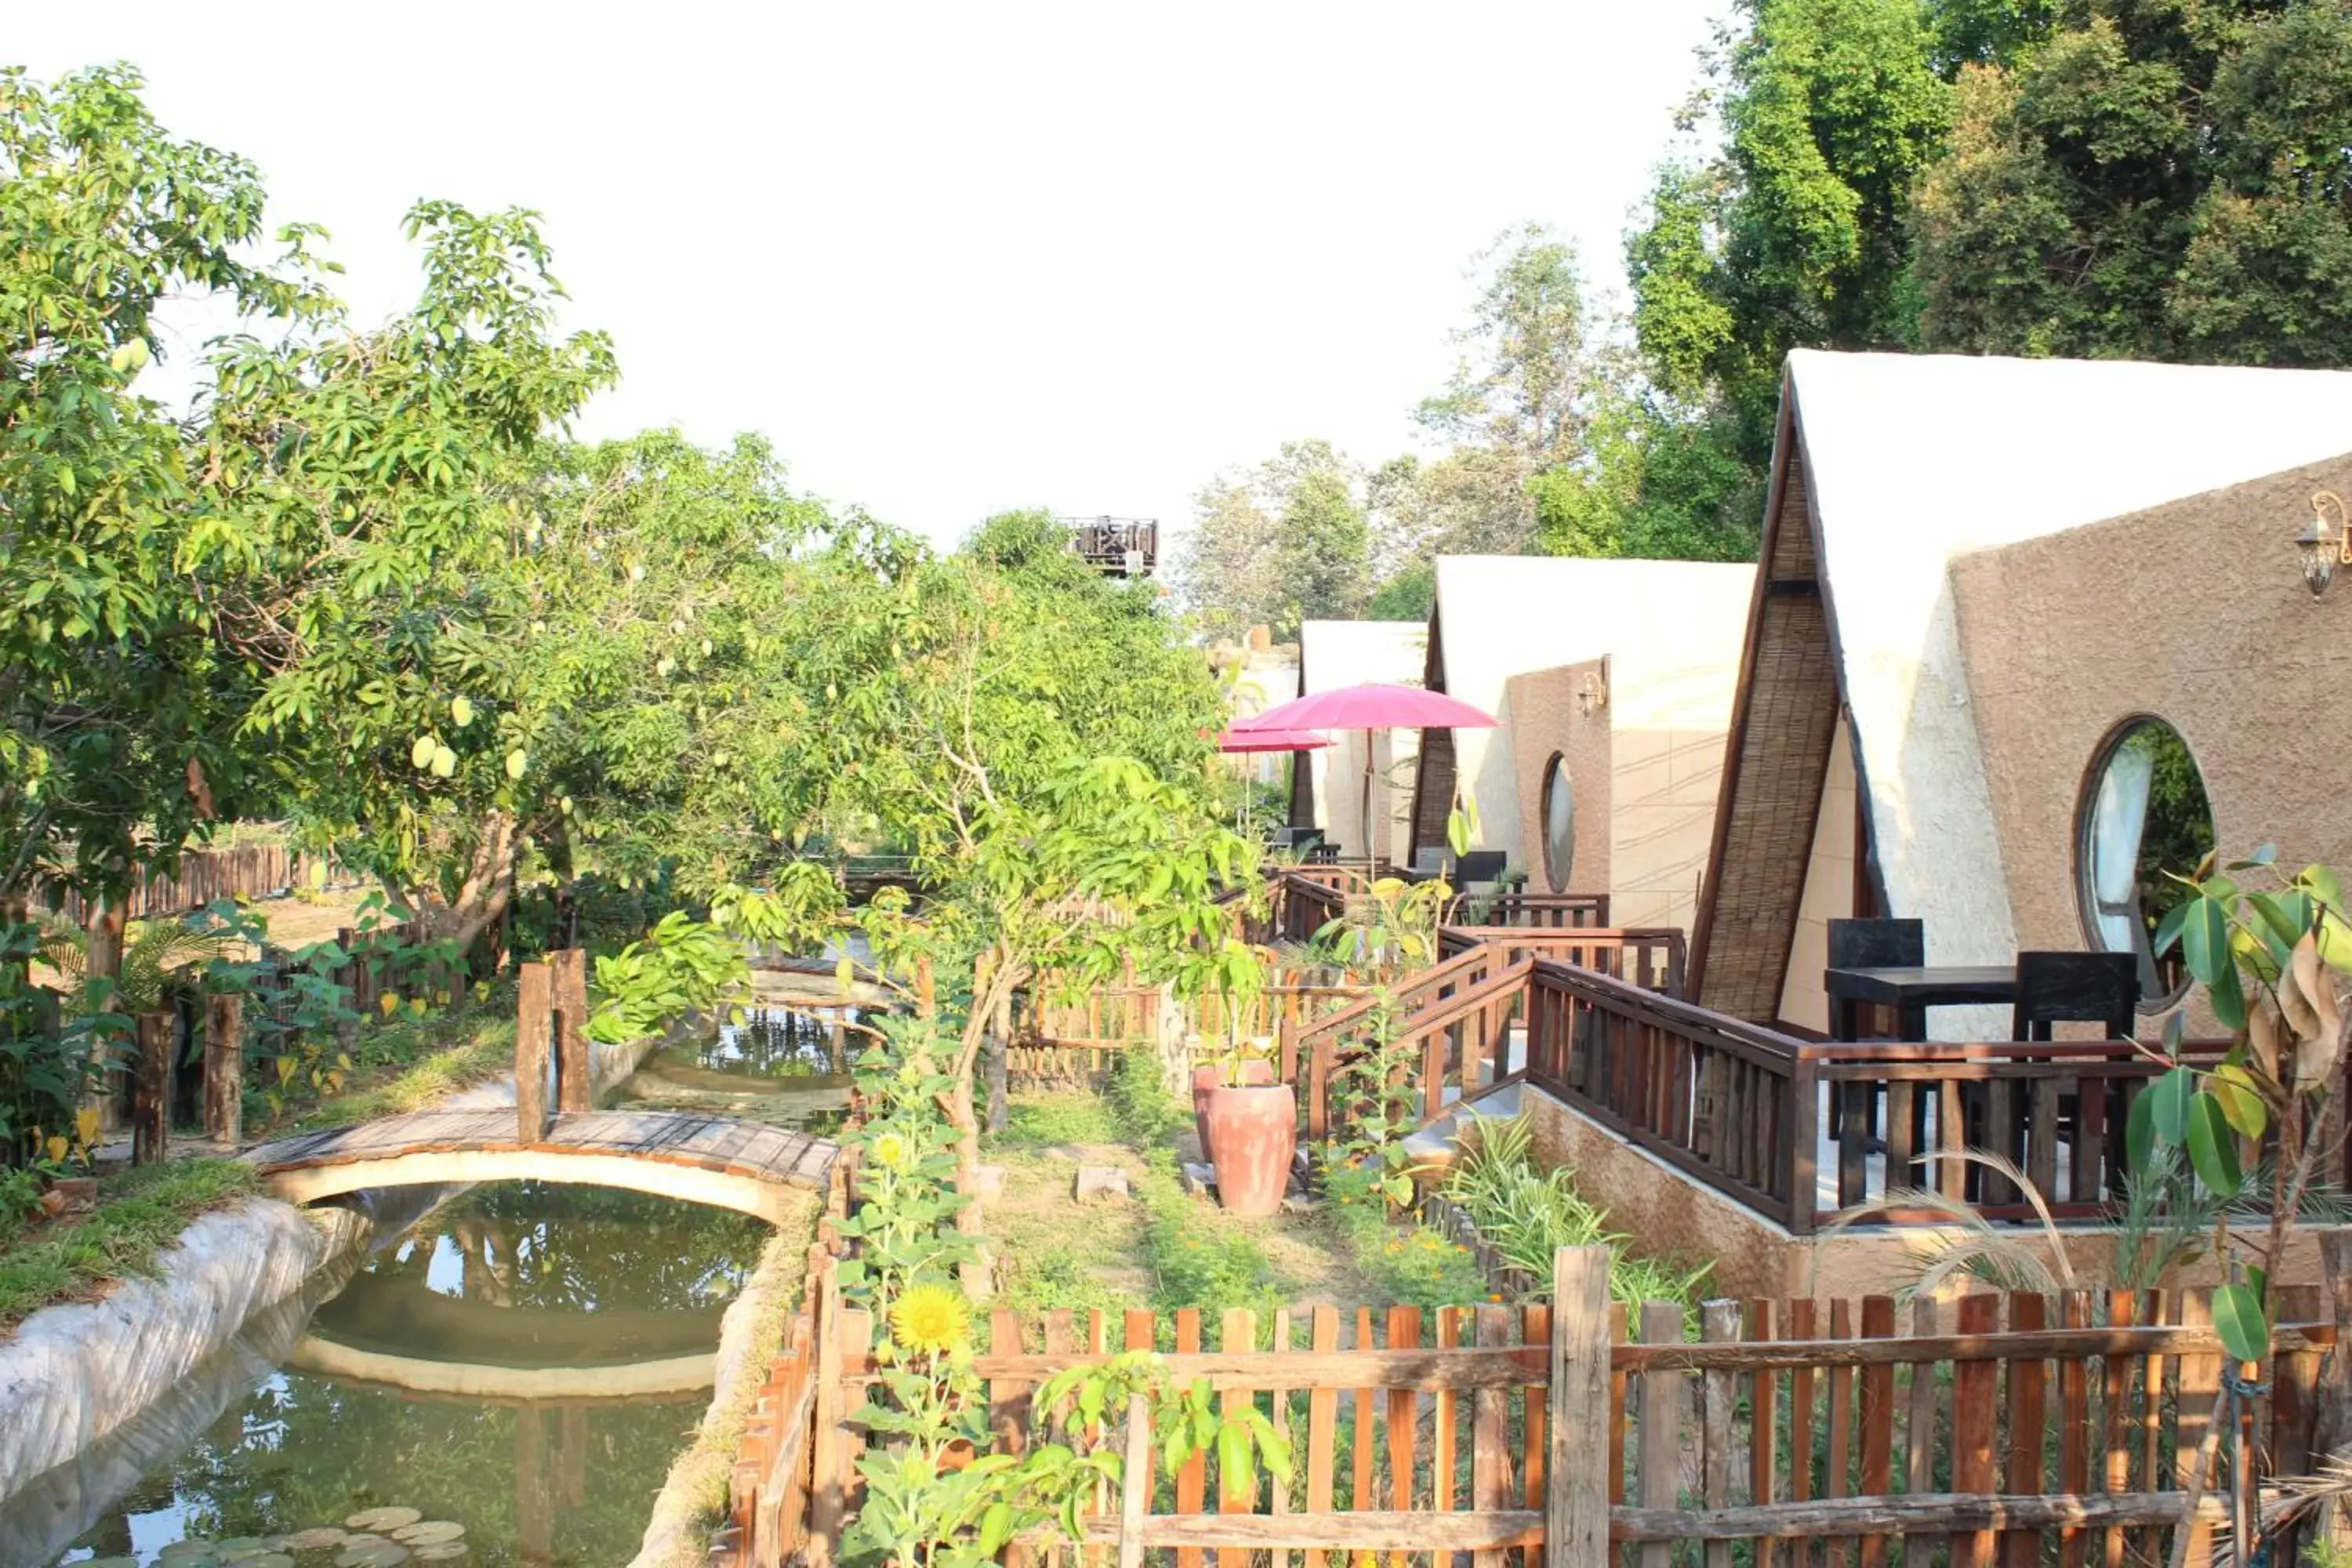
point(1335, 654)
point(1501, 616)
point(1912, 459)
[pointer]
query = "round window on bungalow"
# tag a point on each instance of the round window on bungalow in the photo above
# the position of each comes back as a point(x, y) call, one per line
point(1558, 822)
point(2144, 815)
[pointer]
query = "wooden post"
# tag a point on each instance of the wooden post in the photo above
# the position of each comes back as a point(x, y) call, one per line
point(1665, 1398)
point(1576, 1514)
point(828, 1491)
point(534, 1026)
point(1719, 1323)
point(225, 1067)
point(150, 1087)
point(102, 960)
point(575, 1080)
point(1135, 1484)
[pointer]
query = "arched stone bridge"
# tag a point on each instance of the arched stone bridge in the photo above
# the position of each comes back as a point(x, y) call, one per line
point(750, 1167)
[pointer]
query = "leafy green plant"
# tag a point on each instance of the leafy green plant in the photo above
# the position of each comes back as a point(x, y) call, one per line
point(1529, 1214)
point(1389, 928)
point(938, 1497)
point(683, 965)
point(1140, 1101)
point(1409, 1263)
point(1379, 1103)
point(2268, 959)
point(903, 1221)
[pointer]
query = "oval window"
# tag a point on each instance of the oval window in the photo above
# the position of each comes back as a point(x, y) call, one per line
point(1558, 822)
point(2144, 814)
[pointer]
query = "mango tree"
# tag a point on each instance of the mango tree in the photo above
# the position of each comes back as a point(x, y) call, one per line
point(1033, 736)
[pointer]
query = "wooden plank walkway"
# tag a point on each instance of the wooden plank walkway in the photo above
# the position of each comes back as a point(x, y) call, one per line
point(721, 1144)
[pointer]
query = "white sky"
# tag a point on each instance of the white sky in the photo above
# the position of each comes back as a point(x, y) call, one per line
point(958, 258)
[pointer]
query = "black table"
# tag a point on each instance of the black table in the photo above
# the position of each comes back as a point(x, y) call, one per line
point(1911, 990)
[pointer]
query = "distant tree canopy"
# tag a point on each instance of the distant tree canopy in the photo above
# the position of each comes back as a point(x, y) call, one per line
point(1283, 543)
point(1555, 443)
point(370, 581)
point(2151, 184)
point(2092, 178)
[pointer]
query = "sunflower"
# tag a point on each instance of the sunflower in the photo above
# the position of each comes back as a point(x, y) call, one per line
point(890, 1151)
point(930, 1318)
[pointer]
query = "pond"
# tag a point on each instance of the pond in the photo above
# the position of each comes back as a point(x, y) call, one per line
point(786, 1061)
point(512, 1374)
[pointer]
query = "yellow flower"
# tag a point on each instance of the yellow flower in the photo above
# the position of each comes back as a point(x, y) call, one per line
point(890, 1150)
point(930, 1318)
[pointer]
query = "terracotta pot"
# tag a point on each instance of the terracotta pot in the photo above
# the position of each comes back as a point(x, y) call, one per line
point(1253, 1132)
point(79, 1194)
point(1256, 1070)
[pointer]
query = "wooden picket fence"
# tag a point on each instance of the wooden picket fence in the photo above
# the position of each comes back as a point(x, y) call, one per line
point(207, 876)
point(2000, 1428)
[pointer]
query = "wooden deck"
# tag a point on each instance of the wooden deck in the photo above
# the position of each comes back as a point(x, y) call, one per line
point(744, 1165)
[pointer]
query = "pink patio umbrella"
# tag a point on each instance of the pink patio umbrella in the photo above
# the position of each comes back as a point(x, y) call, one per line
point(1240, 740)
point(1367, 707)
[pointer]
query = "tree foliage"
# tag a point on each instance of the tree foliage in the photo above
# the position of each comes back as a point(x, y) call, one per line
point(2152, 183)
point(1281, 543)
point(105, 693)
point(1791, 236)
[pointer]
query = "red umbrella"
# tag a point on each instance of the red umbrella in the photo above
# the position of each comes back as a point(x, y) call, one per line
point(1369, 708)
point(1239, 739)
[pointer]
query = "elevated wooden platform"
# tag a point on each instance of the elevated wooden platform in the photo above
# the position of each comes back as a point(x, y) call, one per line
point(747, 1166)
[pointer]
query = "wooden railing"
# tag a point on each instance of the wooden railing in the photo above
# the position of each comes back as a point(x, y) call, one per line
point(1538, 909)
point(1743, 1108)
point(2056, 1109)
point(1463, 1050)
point(2007, 1427)
point(1648, 956)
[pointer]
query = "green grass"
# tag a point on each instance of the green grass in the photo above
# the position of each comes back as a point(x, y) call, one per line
point(139, 1213)
point(408, 1063)
point(1058, 1118)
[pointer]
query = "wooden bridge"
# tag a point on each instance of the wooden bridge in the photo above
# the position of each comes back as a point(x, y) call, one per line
point(749, 1167)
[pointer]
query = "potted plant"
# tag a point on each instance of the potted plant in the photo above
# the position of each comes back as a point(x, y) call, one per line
point(1250, 1124)
point(1219, 1061)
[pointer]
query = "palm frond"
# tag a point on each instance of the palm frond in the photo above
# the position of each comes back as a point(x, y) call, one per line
point(1965, 1243)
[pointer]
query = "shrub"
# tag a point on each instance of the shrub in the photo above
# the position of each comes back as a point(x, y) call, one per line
point(1529, 1214)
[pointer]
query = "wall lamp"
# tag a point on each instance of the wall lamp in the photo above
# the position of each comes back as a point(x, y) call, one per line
point(2325, 547)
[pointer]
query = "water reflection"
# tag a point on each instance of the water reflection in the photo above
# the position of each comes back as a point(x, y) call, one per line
point(787, 1063)
point(525, 1362)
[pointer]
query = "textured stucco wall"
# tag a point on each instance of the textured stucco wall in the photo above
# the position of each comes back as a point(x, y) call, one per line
point(1915, 461)
point(1672, 632)
point(1551, 721)
point(2194, 612)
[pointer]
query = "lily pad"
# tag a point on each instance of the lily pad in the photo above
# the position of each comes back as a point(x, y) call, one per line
point(241, 1548)
point(447, 1551)
point(432, 1532)
point(111, 1563)
point(189, 1554)
point(269, 1560)
point(377, 1553)
point(383, 1518)
point(316, 1540)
